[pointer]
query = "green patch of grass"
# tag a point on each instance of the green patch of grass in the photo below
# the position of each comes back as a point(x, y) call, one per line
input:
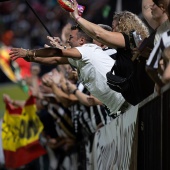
point(14, 91)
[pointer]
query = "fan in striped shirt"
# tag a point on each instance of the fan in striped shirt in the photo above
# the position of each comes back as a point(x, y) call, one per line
point(152, 64)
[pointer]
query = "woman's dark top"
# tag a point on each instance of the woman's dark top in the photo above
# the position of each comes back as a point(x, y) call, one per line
point(137, 85)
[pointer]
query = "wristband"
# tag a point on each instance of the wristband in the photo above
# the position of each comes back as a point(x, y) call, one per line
point(74, 91)
point(77, 18)
point(28, 56)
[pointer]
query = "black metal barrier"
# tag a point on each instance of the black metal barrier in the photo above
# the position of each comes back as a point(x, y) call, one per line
point(154, 132)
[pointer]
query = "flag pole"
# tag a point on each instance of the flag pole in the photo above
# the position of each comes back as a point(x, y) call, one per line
point(38, 18)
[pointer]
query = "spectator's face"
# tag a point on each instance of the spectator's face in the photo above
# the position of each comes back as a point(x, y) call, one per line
point(35, 70)
point(115, 25)
point(156, 12)
point(74, 40)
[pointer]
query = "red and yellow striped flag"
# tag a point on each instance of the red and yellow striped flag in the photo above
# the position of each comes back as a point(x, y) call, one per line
point(21, 129)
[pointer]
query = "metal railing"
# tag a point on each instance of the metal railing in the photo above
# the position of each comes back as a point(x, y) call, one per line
point(154, 132)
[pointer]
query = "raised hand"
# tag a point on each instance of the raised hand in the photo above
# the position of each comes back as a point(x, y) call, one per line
point(91, 100)
point(75, 13)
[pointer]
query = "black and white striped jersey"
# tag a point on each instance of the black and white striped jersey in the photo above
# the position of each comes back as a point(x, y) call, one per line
point(88, 118)
point(81, 117)
point(63, 121)
point(156, 53)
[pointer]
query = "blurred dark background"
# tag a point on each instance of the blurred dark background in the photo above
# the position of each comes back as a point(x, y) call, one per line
point(20, 28)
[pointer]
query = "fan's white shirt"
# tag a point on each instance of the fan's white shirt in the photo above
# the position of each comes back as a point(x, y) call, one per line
point(92, 69)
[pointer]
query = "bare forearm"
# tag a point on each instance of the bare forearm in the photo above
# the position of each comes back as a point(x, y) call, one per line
point(90, 28)
point(96, 32)
point(45, 52)
point(50, 60)
point(34, 55)
point(82, 98)
point(62, 97)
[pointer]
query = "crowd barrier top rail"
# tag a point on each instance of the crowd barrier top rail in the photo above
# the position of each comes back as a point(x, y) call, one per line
point(154, 95)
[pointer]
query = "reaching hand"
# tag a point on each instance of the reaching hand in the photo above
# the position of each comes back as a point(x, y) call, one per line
point(55, 42)
point(75, 13)
point(18, 53)
point(93, 101)
point(71, 87)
